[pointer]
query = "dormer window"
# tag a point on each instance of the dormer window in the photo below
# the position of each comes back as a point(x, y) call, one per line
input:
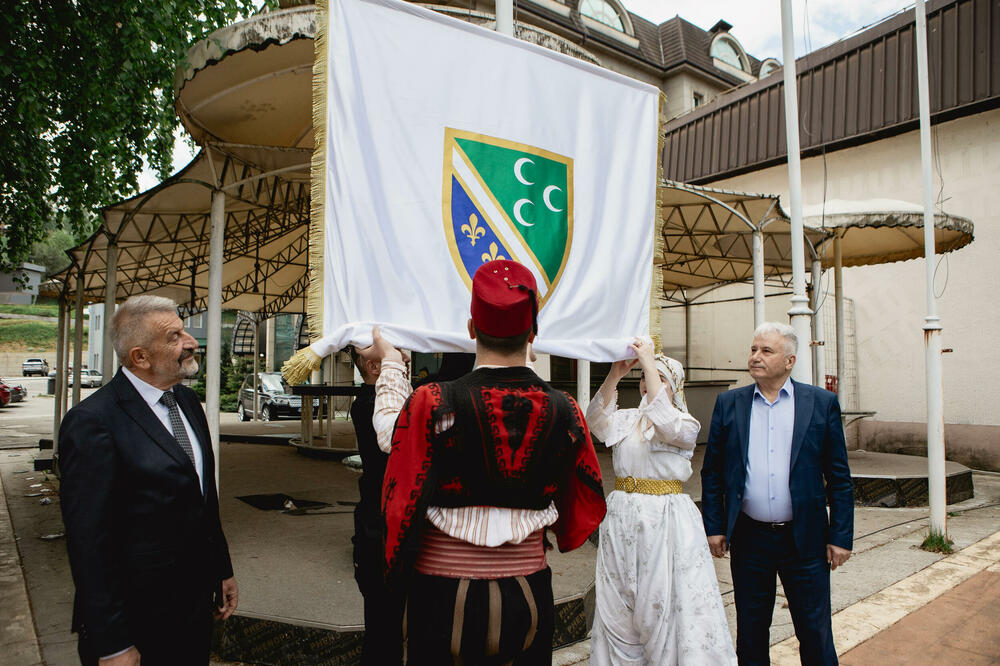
point(769, 65)
point(728, 51)
point(602, 12)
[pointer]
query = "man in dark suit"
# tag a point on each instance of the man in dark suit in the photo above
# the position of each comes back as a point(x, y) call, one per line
point(139, 502)
point(775, 459)
point(383, 612)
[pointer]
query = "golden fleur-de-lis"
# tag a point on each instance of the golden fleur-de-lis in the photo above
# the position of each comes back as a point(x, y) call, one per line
point(492, 254)
point(472, 230)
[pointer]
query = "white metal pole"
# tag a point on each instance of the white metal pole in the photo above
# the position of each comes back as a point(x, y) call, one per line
point(505, 17)
point(64, 394)
point(932, 324)
point(838, 296)
point(256, 369)
point(819, 365)
point(213, 341)
point(78, 338)
point(758, 278)
point(60, 383)
point(583, 383)
point(110, 287)
point(799, 311)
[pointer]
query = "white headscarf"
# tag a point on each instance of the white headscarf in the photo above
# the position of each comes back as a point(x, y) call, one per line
point(673, 371)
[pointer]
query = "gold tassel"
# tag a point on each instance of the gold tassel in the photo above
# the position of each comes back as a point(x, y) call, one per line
point(317, 217)
point(656, 284)
point(297, 369)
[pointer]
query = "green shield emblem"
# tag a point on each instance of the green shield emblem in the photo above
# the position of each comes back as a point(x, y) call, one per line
point(507, 200)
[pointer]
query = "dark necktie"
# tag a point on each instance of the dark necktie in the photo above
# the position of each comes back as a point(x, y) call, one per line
point(177, 425)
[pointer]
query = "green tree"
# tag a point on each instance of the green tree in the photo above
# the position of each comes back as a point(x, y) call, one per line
point(51, 251)
point(86, 93)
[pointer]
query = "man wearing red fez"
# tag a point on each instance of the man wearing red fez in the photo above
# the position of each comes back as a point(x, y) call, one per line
point(478, 469)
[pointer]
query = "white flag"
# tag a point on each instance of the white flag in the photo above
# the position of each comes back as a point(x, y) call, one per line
point(448, 145)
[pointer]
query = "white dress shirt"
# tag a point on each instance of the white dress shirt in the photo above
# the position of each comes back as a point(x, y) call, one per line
point(152, 395)
point(479, 525)
point(766, 496)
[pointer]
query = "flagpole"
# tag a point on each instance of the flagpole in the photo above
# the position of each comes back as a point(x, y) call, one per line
point(505, 17)
point(936, 486)
point(799, 313)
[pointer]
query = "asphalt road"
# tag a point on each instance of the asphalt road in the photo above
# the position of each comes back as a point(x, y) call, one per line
point(23, 423)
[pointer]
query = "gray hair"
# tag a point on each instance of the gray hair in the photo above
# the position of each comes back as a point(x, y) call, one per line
point(784, 330)
point(128, 326)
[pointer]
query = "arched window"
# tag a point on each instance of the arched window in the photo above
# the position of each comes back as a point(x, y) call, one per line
point(768, 66)
point(728, 51)
point(602, 12)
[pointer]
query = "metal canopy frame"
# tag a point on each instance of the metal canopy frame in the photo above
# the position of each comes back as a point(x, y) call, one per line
point(708, 236)
point(162, 236)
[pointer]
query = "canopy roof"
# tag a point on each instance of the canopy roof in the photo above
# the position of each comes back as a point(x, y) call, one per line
point(708, 237)
point(163, 235)
point(881, 231)
point(251, 82)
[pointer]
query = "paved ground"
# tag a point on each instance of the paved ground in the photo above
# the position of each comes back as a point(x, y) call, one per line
point(960, 626)
point(298, 566)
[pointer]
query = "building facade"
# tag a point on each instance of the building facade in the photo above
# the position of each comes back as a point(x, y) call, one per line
point(860, 141)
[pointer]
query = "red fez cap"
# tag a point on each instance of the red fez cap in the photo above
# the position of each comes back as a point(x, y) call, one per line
point(504, 299)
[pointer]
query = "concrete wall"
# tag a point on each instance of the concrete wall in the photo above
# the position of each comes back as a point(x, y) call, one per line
point(890, 299)
point(680, 90)
point(975, 446)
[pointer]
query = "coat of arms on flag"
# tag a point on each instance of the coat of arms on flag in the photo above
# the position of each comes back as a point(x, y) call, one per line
point(503, 199)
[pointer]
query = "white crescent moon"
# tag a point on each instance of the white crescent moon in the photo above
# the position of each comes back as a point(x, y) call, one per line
point(518, 165)
point(517, 212)
point(545, 198)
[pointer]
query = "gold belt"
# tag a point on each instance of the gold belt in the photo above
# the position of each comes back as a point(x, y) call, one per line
point(630, 484)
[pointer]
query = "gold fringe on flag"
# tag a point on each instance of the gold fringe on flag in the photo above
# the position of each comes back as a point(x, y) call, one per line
point(298, 368)
point(656, 284)
point(317, 216)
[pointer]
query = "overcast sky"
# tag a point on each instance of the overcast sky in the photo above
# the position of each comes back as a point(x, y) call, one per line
point(757, 23)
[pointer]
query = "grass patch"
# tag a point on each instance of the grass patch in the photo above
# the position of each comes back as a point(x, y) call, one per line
point(41, 310)
point(938, 543)
point(19, 334)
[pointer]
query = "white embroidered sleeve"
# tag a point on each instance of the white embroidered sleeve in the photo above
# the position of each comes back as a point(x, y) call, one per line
point(604, 420)
point(391, 391)
point(672, 427)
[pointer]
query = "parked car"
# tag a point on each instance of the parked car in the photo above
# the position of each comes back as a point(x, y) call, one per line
point(90, 378)
point(35, 366)
point(17, 392)
point(4, 394)
point(274, 396)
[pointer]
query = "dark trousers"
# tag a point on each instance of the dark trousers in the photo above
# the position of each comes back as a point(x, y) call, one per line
point(758, 555)
point(167, 634)
point(383, 640)
point(482, 622)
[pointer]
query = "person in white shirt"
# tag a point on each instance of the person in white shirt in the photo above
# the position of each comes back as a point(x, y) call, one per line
point(657, 596)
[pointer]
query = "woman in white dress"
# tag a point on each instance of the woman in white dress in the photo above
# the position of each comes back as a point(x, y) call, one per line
point(658, 598)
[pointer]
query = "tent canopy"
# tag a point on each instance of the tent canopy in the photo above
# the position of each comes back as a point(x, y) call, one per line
point(881, 231)
point(162, 235)
point(708, 237)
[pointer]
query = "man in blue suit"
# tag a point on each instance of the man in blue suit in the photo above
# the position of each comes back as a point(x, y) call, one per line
point(775, 460)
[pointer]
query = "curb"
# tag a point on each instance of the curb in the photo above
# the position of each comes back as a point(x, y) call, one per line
point(18, 640)
point(859, 622)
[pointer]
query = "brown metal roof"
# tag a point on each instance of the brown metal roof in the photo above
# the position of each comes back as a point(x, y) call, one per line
point(854, 91)
point(685, 43)
point(673, 43)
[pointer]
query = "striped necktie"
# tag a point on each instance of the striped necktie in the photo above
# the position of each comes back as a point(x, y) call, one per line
point(177, 425)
